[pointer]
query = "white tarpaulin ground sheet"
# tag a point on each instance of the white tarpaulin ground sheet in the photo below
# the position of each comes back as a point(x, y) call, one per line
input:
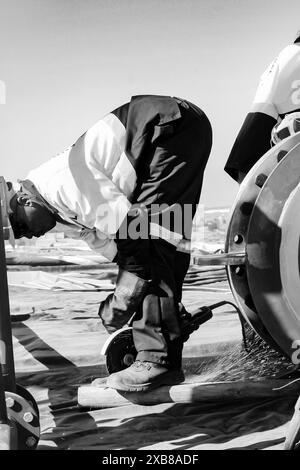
point(57, 349)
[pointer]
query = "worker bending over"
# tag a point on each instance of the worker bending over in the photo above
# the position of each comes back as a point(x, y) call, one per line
point(130, 187)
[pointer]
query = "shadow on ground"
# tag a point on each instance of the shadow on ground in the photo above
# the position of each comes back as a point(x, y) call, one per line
point(258, 424)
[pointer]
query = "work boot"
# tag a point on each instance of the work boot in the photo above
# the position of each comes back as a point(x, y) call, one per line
point(142, 376)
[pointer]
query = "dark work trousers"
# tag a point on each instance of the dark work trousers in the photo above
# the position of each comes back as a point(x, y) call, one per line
point(172, 174)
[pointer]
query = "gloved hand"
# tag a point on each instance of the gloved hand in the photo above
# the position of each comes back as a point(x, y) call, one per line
point(118, 308)
point(184, 317)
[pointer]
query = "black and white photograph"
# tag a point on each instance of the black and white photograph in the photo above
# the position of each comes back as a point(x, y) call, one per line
point(149, 228)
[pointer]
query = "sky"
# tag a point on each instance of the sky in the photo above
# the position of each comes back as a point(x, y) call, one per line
point(66, 63)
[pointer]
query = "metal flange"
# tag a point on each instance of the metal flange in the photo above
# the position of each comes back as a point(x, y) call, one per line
point(237, 233)
point(272, 253)
point(23, 416)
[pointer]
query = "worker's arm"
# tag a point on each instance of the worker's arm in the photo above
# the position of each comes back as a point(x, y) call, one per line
point(252, 142)
point(277, 94)
point(100, 244)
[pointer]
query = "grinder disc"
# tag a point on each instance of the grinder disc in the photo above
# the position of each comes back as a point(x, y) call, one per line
point(121, 352)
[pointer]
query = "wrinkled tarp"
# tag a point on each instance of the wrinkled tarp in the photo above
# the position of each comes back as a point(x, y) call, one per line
point(58, 349)
point(97, 280)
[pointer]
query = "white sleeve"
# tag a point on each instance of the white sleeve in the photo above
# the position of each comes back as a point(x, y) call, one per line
point(278, 90)
point(264, 98)
point(99, 243)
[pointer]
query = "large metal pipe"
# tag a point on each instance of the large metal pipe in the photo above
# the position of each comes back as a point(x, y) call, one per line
point(263, 225)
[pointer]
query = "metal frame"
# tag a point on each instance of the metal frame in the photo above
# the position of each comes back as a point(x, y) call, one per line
point(7, 358)
point(3, 410)
point(5, 429)
point(7, 368)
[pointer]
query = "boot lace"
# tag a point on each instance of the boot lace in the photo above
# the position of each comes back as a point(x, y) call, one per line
point(146, 365)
